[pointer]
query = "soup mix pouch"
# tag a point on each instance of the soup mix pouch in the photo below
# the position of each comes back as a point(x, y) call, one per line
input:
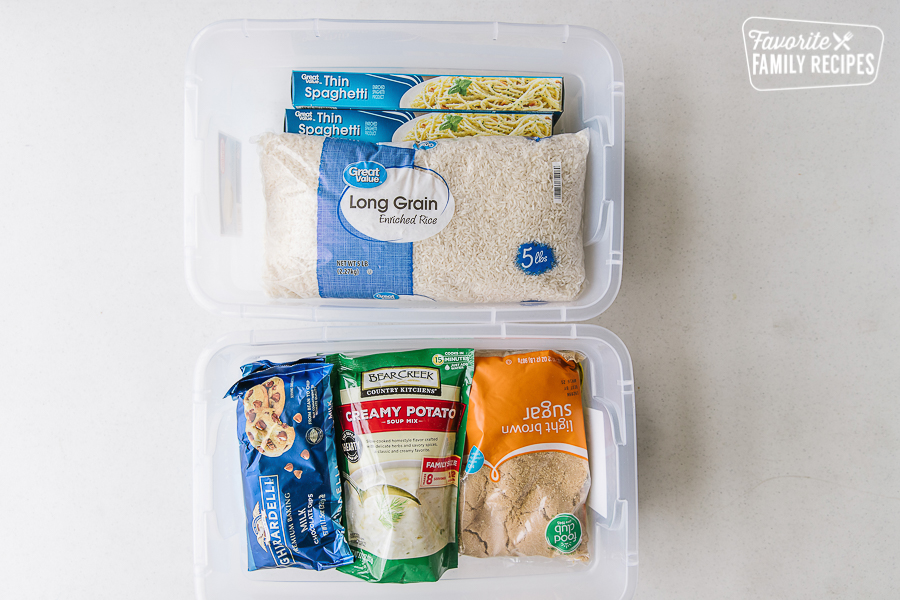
point(401, 420)
point(291, 484)
point(526, 478)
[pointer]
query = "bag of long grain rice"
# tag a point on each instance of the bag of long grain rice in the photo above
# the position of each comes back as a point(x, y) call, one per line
point(480, 219)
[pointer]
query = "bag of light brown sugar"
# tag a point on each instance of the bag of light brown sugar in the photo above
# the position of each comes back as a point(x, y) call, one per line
point(526, 480)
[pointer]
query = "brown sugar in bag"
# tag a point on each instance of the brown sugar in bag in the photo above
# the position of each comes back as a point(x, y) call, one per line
point(527, 478)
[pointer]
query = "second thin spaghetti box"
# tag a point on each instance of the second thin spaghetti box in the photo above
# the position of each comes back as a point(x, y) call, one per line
point(425, 93)
point(404, 126)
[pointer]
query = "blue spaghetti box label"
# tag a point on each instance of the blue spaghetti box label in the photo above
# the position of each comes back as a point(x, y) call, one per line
point(361, 125)
point(350, 90)
point(427, 93)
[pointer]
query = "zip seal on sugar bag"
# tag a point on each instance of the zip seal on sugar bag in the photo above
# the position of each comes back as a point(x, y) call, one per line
point(291, 483)
point(526, 478)
point(402, 421)
point(475, 219)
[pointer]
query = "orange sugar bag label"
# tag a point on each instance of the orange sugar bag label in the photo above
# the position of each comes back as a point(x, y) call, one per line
point(522, 404)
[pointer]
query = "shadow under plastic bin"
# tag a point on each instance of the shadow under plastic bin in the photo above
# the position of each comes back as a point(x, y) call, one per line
point(220, 539)
point(238, 84)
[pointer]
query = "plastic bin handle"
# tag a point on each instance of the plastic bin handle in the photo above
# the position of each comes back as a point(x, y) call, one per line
point(613, 176)
point(596, 432)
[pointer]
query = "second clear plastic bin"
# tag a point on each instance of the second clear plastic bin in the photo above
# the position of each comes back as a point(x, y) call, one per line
point(220, 538)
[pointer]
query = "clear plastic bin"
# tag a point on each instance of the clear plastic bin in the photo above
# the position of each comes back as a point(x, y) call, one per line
point(238, 83)
point(220, 540)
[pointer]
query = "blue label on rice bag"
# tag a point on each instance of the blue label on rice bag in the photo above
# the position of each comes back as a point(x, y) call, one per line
point(373, 203)
point(351, 264)
point(350, 90)
point(363, 125)
point(292, 492)
point(534, 258)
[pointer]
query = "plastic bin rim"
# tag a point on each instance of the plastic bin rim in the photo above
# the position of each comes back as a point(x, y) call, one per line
point(567, 30)
point(387, 332)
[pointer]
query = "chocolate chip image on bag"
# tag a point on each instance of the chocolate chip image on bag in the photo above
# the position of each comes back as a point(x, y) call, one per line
point(263, 405)
point(291, 484)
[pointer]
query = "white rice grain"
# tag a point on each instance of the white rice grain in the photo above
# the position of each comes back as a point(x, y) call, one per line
point(503, 188)
point(290, 173)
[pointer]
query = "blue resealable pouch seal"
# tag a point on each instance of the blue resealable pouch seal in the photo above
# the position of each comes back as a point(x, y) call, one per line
point(292, 492)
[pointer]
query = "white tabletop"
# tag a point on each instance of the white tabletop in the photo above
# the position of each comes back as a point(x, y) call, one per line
point(759, 299)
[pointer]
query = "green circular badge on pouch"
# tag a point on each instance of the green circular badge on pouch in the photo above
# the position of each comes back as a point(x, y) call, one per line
point(564, 532)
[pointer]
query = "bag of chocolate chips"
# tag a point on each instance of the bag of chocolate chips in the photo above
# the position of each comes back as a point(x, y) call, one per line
point(292, 492)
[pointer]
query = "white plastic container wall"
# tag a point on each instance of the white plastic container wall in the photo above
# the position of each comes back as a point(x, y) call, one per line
point(220, 552)
point(237, 84)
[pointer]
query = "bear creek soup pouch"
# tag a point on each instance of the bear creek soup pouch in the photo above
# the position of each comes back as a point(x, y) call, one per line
point(526, 478)
point(402, 422)
point(291, 484)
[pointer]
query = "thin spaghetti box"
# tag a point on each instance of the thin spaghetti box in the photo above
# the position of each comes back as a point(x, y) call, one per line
point(405, 126)
point(427, 93)
point(363, 125)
